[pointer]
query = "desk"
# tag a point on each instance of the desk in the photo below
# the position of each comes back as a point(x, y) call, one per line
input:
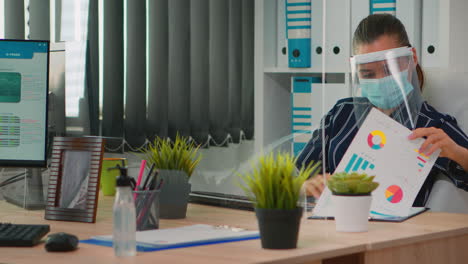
point(427, 238)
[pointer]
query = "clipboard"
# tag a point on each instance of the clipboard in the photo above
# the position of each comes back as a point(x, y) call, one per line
point(382, 217)
point(180, 237)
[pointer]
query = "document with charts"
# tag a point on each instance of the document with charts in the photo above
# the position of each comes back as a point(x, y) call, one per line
point(381, 148)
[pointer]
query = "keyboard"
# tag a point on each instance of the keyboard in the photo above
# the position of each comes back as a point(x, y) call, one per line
point(18, 235)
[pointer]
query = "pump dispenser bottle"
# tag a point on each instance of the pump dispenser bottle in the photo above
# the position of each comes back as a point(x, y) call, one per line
point(124, 229)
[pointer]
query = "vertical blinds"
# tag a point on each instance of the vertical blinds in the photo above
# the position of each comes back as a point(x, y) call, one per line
point(168, 67)
point(188, 68)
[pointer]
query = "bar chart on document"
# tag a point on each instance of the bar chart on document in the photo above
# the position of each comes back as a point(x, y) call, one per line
point(381, 148)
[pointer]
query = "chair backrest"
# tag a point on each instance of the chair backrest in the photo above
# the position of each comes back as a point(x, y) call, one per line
point(448, 93)
point(446, 197)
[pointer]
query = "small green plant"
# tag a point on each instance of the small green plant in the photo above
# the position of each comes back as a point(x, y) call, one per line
point(275, 183)
point(351, 183)
point(181, 154)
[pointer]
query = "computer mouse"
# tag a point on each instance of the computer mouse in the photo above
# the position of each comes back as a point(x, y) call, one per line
point(61, 242)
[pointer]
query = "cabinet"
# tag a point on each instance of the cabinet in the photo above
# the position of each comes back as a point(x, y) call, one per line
point(273, 98)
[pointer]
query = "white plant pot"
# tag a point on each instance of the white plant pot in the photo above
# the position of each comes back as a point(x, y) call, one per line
point(351, 212)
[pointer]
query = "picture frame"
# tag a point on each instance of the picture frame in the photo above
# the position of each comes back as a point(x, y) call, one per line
point(75, 170)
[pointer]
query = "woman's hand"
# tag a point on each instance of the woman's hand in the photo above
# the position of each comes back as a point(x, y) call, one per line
point(436, 138)
point(315, 185)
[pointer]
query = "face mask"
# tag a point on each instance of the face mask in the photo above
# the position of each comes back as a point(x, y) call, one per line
point(384, 93)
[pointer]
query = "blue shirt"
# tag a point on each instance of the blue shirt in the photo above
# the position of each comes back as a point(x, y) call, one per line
point(340, 128)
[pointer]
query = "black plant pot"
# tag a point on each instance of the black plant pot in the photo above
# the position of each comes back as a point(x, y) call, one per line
point(173, 201)
point(174, 194)
point(279, 229)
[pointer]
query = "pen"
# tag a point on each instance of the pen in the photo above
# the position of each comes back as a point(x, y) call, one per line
point(145, 184)
point(152, 185)
point(160, 184)
point(142, 169)
point(156, 174)
point(133, 183)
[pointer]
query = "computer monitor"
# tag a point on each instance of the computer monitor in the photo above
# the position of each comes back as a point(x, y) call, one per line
point(24, 74)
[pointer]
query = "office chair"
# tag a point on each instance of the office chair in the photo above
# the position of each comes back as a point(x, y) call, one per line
point(447, 92)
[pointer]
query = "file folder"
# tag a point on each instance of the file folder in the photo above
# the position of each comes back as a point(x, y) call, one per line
point(409, 12)
point(301, 98)
point(337, 47)
point(383, 7)
point(360, 9)
point(281, 40)
point(317, 49)
point(298, 28)
point(306, 104)
point(435, 35)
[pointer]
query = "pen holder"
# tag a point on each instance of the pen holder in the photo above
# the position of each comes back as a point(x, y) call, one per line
point(147, 209)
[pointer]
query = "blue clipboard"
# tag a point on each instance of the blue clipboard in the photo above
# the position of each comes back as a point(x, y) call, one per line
point(189, 242)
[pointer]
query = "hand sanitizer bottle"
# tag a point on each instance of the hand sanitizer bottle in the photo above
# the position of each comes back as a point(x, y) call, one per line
point(124, 234)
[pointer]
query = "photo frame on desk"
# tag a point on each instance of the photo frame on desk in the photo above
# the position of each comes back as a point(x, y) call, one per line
point(74, 179)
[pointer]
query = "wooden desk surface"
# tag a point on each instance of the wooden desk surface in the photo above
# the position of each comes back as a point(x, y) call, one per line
point(318, 239)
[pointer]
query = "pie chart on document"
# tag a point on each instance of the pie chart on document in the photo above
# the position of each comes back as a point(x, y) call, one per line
point(394, 194)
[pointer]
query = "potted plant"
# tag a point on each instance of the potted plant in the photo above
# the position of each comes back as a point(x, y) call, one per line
point(351, 198)
point(175, 162)
point(274, 187)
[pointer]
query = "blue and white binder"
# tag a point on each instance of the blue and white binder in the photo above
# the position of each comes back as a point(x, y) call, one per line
point(281, 40)
point(383, 7)
point(301, 101)
point(298, 29)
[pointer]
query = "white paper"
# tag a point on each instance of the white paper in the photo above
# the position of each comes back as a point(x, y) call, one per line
point(384, 150)
point(187, 235)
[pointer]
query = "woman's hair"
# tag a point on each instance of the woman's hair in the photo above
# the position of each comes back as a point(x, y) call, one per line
point(374, 26)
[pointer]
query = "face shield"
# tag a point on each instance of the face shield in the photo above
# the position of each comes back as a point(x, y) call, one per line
point(388, 81)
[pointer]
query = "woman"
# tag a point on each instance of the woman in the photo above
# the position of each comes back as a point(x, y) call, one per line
point(389, 83)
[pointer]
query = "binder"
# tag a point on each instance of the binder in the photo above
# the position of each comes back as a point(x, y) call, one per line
point(301, 101)
point(435, 34)
point(337, 50)
point(306, 103)
point(316, 35)
point(298, 28)
point(409, 13)
point(359, 10)
point(383, 7)
point(282, 43)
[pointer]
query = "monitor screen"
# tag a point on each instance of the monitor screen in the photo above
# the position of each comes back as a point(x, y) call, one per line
point(24, 73)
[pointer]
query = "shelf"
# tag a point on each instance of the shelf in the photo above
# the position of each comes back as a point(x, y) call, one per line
point(289, 70)
point(298, 70)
